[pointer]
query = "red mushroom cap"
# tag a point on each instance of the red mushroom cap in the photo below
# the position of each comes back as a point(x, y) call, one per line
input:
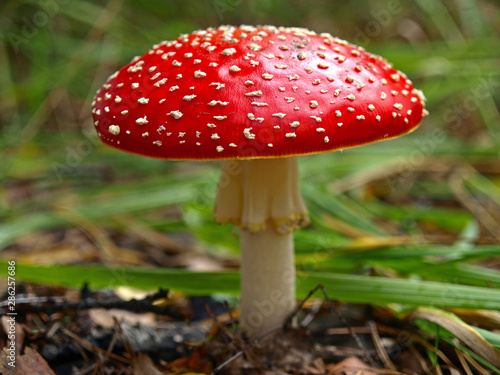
point(254, 92)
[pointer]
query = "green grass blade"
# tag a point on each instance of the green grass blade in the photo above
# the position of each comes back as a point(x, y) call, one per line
point(348, 288)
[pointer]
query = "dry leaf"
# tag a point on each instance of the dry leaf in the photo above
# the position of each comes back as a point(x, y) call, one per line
point(487, 319)
point(144, 365)
point(106, 317)
point(316, 367)
point(19, 330)
point(471, 338)
point(128, 293)
point(195, 361)
point(351, 366)
point(30, 363)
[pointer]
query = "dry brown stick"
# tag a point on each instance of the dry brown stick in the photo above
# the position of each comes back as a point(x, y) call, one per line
point(85, 370)
point(437, 367)
point(312, 314)
point(476, 365)
point(432, 348)
point(91, 347)
point(421, 359)
point(97, 368)
point(126, 343)
point(339, 351)
point(82, 352)
point(463, 362)
point(392, 372)
point(111, 344)
point(345, 331)
point(220, 325)
point(382, 353)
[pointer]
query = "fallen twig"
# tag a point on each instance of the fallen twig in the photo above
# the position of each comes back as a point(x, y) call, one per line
point(333, 309)
point(49, 305)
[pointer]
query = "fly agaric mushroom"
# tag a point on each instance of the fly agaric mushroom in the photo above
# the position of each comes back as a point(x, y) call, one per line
point(256, 97)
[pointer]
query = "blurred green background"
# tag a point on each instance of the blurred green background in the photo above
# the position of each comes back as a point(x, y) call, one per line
point(425, 206)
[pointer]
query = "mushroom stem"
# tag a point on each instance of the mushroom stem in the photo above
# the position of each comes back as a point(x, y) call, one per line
point(267, 280)
point(262, 196)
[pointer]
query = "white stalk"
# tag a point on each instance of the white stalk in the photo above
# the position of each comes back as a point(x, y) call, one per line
point(262, 196)
point(267, 280)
